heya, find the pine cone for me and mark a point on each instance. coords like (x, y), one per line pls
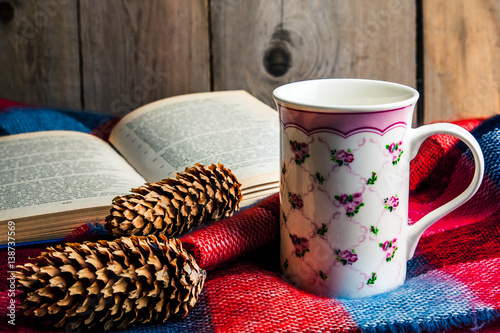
(110, 284)
(175, 205)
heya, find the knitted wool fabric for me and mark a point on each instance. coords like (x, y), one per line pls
(228, 239)
(452, 282)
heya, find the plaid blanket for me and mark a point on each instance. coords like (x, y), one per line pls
(452, 281)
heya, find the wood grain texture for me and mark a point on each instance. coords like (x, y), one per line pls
(461, 59)
(113, 56)
(39, 59)
(321, 39)
(135, 52)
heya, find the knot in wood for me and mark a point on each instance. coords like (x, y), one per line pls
(277, 59)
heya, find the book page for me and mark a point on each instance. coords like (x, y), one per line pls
(232, 128)
(47, 172)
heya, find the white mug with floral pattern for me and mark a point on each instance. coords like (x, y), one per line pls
(346, 146)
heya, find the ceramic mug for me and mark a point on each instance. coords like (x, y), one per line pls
(346, 146)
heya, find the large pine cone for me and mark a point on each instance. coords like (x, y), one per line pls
(110, 284)
(175, 205)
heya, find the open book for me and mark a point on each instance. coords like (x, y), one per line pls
(54, 181)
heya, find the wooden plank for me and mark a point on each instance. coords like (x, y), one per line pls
(462, 54)
(321, 39)
(135, 52)
(39, 58)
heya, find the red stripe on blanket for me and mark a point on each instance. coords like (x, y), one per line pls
(241, 295)
(104, 130)
(481, 277)
(5, 104)
(21, 257)
(228, 239)
(481, 206)
(437, 153)
(469, 243)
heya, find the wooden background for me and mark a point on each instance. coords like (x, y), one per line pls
(113, 56)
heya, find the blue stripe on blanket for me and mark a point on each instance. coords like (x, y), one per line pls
(25, 120)
(428, 302)
(488, 136)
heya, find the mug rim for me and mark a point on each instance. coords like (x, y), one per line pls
(280, 96)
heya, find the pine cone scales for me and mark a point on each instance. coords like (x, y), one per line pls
(110, 284)
(175, 205)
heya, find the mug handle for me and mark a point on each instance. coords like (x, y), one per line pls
(417, 137)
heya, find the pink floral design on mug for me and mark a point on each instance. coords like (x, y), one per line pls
(346, 257)
(301, 245)
(295, 200)
(342, 157)
(351, 203)
(391, 203)
(389, 247)
(396, 151)
(346, 146)
(300, 150)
